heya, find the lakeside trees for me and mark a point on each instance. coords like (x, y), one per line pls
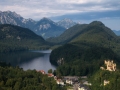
(15, 78)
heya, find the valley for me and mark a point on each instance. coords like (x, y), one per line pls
(77, 50)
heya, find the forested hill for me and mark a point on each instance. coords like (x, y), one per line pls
(95, 30)
(13, 38)
(68, 35)
(86, 52)
(81, 29)
(97, 33)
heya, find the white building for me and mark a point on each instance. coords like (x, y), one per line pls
(68, 81)
(106, 82)
(83, 87)
(60, 82)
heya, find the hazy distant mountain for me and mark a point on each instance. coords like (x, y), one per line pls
(117, 32)
(66, 23)
(45, 27)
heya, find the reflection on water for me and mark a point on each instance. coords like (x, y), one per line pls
(38, 60)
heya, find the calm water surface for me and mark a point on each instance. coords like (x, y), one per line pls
(38, 60)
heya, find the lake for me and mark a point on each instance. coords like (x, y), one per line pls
(38, 60)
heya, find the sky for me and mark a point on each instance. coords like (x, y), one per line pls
(83, 11)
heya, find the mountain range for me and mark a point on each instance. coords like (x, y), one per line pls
(44, 27)
(47, 28)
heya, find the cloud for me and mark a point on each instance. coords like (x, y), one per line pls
(37, 9)
(107, 11)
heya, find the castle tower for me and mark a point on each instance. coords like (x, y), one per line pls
(110, 65)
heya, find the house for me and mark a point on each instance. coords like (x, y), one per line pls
(50, 75)
(60, 82)
(102, 68)
(106, 82)
(55, 77)
(42, 71)
(82, 87)
(87, 83)
(69, 81)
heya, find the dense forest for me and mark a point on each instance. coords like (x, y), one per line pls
(81, 61)
(15, 38)
(15, 78)
(98, 78)
(86, 52)
(67, 35)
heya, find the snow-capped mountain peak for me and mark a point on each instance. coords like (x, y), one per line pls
(66, 23)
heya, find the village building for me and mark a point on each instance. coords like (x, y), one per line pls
(102, 68)
(87, 83)
(60, 82)
(42, 71)
(68, 81)
(55, 77)
(106, 82)
(83, 87)
(50, 75)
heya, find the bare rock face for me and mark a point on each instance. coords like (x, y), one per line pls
(66, 23)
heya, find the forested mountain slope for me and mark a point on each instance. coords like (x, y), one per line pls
(68, 35)
(85, 53)
(13, 38)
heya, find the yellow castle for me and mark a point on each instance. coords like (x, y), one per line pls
(110, 65)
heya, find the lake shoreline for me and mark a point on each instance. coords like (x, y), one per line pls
(32, 59)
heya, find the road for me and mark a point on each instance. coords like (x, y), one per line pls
(75, 86)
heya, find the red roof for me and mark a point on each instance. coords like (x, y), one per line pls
(42, 71)
(50, 75)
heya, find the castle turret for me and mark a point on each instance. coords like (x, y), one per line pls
(110, 65)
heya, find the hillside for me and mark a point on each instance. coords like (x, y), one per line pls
(97, 33)
(99, 78)
(68, 35)
(85, 53)
(82, 32)
(13, 38)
